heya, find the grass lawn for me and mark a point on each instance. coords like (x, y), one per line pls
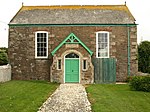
(117, 98)
(24, 96)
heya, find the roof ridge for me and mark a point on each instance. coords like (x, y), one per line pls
(76, 7)
(72, 5)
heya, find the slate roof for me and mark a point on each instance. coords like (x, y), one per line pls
(87, 14)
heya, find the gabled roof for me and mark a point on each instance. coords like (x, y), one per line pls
(72, 39)
(87, 14)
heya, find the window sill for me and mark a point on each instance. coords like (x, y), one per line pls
(41, 57)
(84, 70)
(102, 57)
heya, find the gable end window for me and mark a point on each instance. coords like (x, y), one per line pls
(41, 44)
(102, 44)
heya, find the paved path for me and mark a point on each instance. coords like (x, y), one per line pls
(67, 98)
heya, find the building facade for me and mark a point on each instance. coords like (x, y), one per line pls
(59, 43)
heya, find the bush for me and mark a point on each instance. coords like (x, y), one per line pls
(3, 58)
(144, 57)
(129, 78)
(140, 83)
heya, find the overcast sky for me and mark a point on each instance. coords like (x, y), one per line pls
(139, 8)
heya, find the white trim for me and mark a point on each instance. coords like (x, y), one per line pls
(36, 44)
(83, 64)
(58, 64)
(97, 43)
(65, 66)
(71, 58)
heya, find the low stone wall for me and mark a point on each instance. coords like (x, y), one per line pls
(5, 73)
(142, 74)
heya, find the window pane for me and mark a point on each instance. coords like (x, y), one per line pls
(44, 39)
(99, 35)
(38, 49)
(37, 53)
(84, 64)
(41, 34)
(105, 39)
(38, 45)
(102, 38)
(72, 55)
(44, 44)
(38, 39)
(41, 44)
(38, 34)
(105, 34)
(44, 54)
(102, 45)
(59, 64)
(44, 34)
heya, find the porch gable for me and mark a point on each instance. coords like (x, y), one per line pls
(71, 39)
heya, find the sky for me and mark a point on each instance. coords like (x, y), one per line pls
(140, 9)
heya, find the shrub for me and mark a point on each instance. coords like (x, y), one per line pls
(129, 78)
(3, 58)
(140, 83)
(144, 57)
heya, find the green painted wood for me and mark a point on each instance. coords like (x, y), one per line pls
(72, 70)
(129, 55)
(104, 70)
(100, 71)
(72, 37)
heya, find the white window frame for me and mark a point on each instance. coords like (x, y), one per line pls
(97, 44)
(36, 44)
(58, 64)
(86, 64)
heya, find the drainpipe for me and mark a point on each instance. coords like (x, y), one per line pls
(128, 50)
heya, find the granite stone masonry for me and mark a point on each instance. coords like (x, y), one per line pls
(25, 66)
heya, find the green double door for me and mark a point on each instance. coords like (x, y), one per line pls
(72, 70)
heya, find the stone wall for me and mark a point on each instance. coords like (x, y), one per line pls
(22, 48)
(133, 51)
(5, 73)
(21, 55)
(86, 76)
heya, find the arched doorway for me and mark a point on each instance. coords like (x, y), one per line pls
(72, 65)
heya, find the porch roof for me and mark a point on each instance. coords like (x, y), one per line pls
(71, 39)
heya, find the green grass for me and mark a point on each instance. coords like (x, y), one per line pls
(117, 98)
(24, 96)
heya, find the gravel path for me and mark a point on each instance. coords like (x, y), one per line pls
(67, 98)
